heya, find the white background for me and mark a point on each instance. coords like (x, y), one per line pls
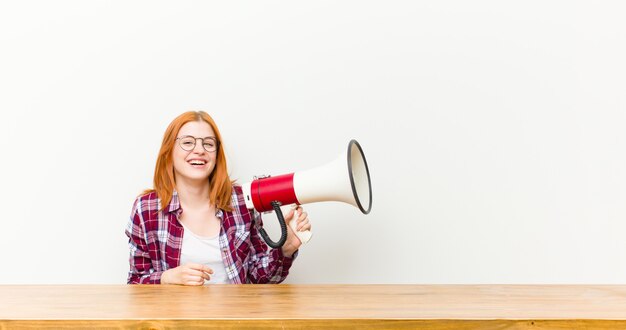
(494, 130)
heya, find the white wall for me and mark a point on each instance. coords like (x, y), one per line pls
(494, 130)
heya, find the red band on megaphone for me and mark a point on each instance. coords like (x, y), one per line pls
(276, 188)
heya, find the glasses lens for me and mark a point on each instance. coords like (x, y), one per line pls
(187, 143)
(210, 144)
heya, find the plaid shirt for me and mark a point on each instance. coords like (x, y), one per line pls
(155, 241)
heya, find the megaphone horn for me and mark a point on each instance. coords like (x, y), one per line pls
(346, 179)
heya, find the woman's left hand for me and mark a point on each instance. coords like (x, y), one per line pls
(293, 242)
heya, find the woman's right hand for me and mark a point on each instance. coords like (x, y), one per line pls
(187, 274)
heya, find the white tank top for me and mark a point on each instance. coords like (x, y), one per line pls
(206, 251)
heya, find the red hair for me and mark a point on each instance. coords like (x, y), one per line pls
(220, 185)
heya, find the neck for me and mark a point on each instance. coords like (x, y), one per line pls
(193, 194)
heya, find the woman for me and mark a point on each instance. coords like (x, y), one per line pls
(193, 227)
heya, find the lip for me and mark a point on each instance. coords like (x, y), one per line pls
(206, 162)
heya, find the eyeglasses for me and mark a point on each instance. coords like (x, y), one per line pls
(188, 143)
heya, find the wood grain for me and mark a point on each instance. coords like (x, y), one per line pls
(313, 306)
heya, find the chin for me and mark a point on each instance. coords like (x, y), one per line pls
(194, 176)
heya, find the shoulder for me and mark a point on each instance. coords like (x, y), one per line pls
(147, 202)
(237, 190)
(146, 206)
(238, 204)
(236, 198)
(144, 209)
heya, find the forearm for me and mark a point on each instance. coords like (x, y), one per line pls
(151, 278)
(276, 267)
(289, 250)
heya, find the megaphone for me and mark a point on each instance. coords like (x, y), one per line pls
(346, 179)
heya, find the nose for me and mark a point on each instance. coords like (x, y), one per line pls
(199, 146)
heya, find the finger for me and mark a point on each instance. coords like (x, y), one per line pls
(195, 273)
(305, 227)
(207, 269)
(300, 223)
(194, 279)
(206, 276)
(289, 215)
(195, 266)
(303, 224)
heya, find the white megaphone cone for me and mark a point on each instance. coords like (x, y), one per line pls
(346, 179)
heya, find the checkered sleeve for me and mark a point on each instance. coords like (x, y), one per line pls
(266, 265)
(141, 270)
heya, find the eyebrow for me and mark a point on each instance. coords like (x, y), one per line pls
(206, 137)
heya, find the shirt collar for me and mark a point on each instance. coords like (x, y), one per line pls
(175, 208)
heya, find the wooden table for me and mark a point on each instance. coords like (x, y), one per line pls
(314, 306)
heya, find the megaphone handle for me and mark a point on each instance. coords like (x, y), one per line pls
(304, 236)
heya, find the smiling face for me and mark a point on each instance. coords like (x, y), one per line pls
(197, 163)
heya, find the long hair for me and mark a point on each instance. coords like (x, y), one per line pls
(220, 185)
